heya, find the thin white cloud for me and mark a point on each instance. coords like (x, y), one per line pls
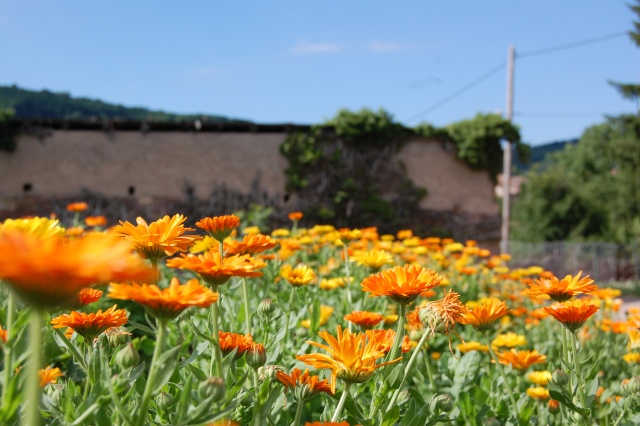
(310, 48)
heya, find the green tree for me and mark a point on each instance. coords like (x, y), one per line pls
(630, 90)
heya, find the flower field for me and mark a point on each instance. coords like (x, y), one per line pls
(157, 323)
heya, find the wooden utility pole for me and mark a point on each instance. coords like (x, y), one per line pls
(506, 161)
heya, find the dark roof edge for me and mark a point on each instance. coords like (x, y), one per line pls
(161, 126)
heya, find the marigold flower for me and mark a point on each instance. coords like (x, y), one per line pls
(304, 385)
(521, 360)
(95, 221)
(441, 316)
(509, 340)
(225, 422)
(295, 216)
(325, 314)
(165, 303)
(39, 227)
(4, 334)
(343, 423)
(88, 295)
(538, 393)
(352, 356)
(215, 270)
(347, 234)
(472, 346)
(540, 378)
(386, 338)
(561, 290)
(483, 316)
(374, 259)
(298, 276)
(402, 284)
(364, 319)
(49, 375)
(332, 283)
(251, 244)
(233, 341)
(219, 227)
(77, 207)
(573, 313)
(632, 357)
(91, 325)
(51, 272)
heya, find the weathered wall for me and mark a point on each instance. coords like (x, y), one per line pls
(160, 163)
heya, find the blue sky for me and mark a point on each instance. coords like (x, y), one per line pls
(302, 61)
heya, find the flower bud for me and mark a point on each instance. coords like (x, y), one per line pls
(213, 387)
(431, 320)
(554, 406)
(630, 387)
(128, 357)
(444, 403)
(164, 401)
(301, 333)
(55, 393)
(119, 383)
(416, 335)
(118, 336)
(560, 377)
(269, 371)
(266, 308)
(491, 421)
(256, 356)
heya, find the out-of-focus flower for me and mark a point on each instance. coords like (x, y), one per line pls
(38, 227)
(402, 284)
(483, 316)
(95, 221)
(561, 290)
(472, 346)
(295, 216)
(51, 272)
(298, 276)
(250, 244)
(573, 313)
(538, 393)
(521, 360)
(374, 259)
(77, 207)
(49, 375)
(215, 270)
(325, 314)
(540, 378)
(364, 319)
(4, 334)
(509, 340)
(88, 295)
(91, 325)
(205, 244)
(219, 227)
(159, 239)
(386, 338)
(165, 303)
(303, 384)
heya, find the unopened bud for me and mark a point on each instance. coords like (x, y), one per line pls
(118, 336)
(256, 356)
(491, 421)
(213, 387)
(630, 387)
(554, 406)
(444, 403)
(164, 401)
(128, 357)
(266, 308)
(269, 371)
(560, 377)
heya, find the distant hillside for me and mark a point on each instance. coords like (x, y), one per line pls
(538, 154)
(50, 105)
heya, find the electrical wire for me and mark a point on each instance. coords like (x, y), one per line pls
(566, 46)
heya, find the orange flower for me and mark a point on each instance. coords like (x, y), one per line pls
(219, 227)
(215, 270)
(352, 356)
(165, 303)
(572, 314)
(386, 338)
(521, 360)
(298, 276)
(251, 244)
(295, 216)
(483, 316)
(4, 334)
(77, 207)
(90, 326)
(364, 319)
(305, 386)
(88, 295)
(49, 375)
(561, 290)
(402, 284)
(51, 272)
(224, 423)
(233, 341)
(159, 239)
(95, 220)
(343, 423)
(441, 316)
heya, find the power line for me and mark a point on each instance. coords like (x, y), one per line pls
(570, 45)
(560, 114)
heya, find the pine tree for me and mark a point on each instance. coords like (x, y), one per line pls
(629, 90)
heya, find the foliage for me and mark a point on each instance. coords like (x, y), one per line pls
(9, 131)
(477, 140)
(590, 190)
(630, 90)
(62, 106)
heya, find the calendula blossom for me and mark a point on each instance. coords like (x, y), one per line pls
(482, 317)
(561, 290)
(39, 227)
(403, 284)
(573, 313)
(509, 340)
(538, 393)
(91, 325)
(364, 319)
(373, 259)
(49, 375)
(219, 227)
(304, 385)
(521, 360)
(250, 244)
(298, 276)
(216, 270)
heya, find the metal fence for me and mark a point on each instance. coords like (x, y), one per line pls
(604, 262)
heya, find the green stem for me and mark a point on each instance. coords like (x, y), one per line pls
(296, 420)
(33, 416)
(340, 406)
(8, 348)
(76, 355)
(507, 386)
(427, 363)
(286, 324)
(578, 367)
(407, 369)
(148, 389)
(565, 352)
(397, 343)
(216, 355)
(247, 312)
(347, 271)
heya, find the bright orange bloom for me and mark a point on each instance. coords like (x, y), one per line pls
(224, 423)
(215, 270)
(352, 356)
(95, 220)
(441, 316)
(88, 295)
(77, 207)
(51, 272)
(165, 303)
(295, 216)
(91, 325)
(233, 341)
(402, 284)
(343, 423)
(483, 316)
(573, 313)
(521, 360)
(219, 227)
(386, 338)
(305, 386)
(364, 319)
(4, 334)
(561, 290)
(49, 375)
(251, 244)
(159, 239)
(298, 276)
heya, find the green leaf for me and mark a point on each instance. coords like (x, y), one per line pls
(465, 372)
(198, 373)
(164, 367)
(592, 388)
(142, 327)
(391, 416)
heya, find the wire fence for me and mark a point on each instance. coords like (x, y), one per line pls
(604, 262)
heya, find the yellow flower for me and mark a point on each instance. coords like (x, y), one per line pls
(331, 283)
(205, 244)
(540, 378)
(538, 393)
(39, 227)
(280, 233)
(298, 276)
(632, 357)
(250, 230)
(325, 314)
(509, 340)
(472, 346)
(374, 259)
